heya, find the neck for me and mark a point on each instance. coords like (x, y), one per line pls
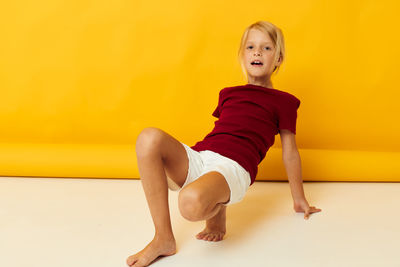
(263, 83)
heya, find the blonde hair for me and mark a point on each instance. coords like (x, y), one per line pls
(276, 36)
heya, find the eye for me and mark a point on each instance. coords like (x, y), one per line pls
(268, 47)
(249, 46)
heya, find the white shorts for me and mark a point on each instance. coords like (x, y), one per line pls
(205, 161)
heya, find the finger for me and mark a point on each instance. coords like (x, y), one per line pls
(312, 211)
(306, 215)
(316, 210)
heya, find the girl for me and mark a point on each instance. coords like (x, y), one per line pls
(218, 170)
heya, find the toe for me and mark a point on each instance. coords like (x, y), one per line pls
(131, 260)
(139, 263)
(218, 237)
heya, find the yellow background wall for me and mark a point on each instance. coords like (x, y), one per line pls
(79, 80)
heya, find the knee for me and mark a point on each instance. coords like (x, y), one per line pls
(148, 140)
(189, 202)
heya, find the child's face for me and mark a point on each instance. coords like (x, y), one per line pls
(259, 46)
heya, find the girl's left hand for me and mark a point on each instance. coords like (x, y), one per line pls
(303, 206)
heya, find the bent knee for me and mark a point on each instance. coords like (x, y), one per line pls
(190, 205)
(148, 140)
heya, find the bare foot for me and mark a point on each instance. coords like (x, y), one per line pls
(215, 227)
(157, 247)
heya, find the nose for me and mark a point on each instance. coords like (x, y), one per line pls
(257, 53)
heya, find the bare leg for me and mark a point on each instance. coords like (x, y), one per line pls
(215, 227)
(154, 182)
(203, 200)
(155, 186)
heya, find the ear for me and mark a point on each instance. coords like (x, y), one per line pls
(278, 63)
(279, 60)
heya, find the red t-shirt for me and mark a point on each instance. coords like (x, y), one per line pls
(249, 118)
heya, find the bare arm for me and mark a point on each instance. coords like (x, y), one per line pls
(292, 162)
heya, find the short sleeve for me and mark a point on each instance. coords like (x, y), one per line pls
(287, 115)
(217, 111)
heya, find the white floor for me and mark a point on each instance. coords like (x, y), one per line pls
(100, 222)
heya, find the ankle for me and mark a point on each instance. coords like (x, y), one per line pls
(164, 237)
(221, 212)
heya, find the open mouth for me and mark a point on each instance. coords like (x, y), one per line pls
(256, 63)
